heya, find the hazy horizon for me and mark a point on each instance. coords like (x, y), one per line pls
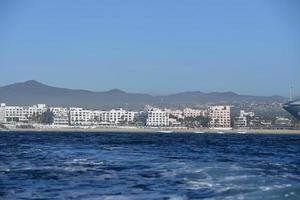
(154, 47)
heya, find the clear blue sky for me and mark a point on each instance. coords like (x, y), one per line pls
(153, 46)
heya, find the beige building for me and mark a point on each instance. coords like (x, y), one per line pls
(189, 112)
(219, 117)
(176, 113)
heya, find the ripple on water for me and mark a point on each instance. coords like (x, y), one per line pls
(149, 166)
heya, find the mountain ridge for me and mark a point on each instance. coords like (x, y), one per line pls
(33, 92)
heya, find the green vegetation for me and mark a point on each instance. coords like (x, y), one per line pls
(44, 118)
(194, 122)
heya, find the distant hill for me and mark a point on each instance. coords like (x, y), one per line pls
(33, 92)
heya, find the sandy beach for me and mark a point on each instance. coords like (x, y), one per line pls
(155, 130)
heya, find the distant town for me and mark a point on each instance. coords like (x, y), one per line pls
(218, 117)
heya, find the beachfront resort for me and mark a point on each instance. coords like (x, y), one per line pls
(212, 117)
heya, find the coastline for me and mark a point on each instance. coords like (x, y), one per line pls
(155, 130)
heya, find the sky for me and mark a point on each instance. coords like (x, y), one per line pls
(153, 46)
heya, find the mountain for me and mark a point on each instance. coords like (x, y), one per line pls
(33, 92)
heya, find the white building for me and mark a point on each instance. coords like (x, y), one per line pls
(35, 109)
(157, 117)
(15, 114)
(219, 117)
(61, 115)
(245, 114)
(80, 116)
(174, 122)
(2, 112)
(176, 113)
(21, 114)
(189, 112)
(242, 120)
(118, 116)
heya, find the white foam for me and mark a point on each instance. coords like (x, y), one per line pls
(174, 197)
(83, 161)
(114, 197)
(199, 184)
(5, 170)
(268, 188)
(232, 178)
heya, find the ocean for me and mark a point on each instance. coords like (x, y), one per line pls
(175, 166)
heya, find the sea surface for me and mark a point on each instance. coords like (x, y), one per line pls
(119, 166)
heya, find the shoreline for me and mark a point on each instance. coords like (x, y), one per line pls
(156, 130)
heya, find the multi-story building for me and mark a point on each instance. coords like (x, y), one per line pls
(157, 117)
(15, 114)
(242, 120)
(189, 112)
(246, 114)
(176, 113)
(80, 116)
(35, 109)
(21, 114)
(219, 117)
(2, 112)
(118, 116)
(60, 115)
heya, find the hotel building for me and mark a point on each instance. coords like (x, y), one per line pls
(176, 113)
(189, 112)
(157, 117)
(20, 114)
(61, 115)
(117, 116)
(82, 117)
(219, 117)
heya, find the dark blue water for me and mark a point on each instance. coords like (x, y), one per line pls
(149, 166)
